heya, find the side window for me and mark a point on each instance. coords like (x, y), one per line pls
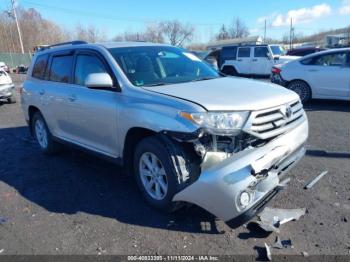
(40, 67)
(229, 53)
(85, 65)
(335, 59)
(61, 68)
(261, 51)
(244, 52)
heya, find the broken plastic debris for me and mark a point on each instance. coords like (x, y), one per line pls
(272, 218)
(305, 254)
(2, 220)
(311, 183)
(268, 252)
(278, 243)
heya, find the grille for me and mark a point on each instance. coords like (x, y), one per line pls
(272, 122)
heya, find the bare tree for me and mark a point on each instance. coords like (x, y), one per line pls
(89, 34)
(176, 32)
(238, 29)
(223, 33)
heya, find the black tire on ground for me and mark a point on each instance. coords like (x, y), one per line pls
(302, 89)
(180, 165)
(51, 146)
(12, 99)
(230, 70)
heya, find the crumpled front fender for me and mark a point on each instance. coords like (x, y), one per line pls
(218, 188)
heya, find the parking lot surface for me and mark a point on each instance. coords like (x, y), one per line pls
(73, 203)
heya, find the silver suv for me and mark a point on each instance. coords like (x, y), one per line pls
(185, 132)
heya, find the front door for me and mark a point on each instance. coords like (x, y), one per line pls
(244, 60)
(93, 112)
(261, 61)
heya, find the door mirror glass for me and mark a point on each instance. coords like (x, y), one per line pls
(99, 81)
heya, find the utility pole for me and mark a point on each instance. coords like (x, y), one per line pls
(17, 24)
(265, 33)
(291, 35)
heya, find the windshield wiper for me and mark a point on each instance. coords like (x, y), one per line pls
(157, 84)
(203, 79)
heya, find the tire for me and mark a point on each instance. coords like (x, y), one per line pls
(229, 70)
(43, 136)
(170, 168)
(302, 89)
(12, 99)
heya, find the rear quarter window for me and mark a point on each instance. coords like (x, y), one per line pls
(229, 53)
(39, 68)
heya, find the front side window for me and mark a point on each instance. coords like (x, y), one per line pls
(336, 59)
(160, 65)
(61, 68)
(261, 51)
(85, 65)
(40, 67)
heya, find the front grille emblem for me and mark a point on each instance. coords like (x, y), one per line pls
(286, 111)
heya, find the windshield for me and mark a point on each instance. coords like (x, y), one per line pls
(277, 50)
(160, 65)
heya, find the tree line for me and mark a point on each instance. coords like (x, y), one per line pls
(37, 30)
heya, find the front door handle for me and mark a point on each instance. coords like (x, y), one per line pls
(72, 98)
(313, 70)
(42, 92)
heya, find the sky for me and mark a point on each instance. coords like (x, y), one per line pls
(114, 17)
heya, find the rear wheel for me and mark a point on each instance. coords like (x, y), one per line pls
(229, 70)
(43, 135)
(162, 170)
(302, 89)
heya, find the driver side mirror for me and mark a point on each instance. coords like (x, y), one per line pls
(99, 81)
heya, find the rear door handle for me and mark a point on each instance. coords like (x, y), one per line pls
(313, 70)
(255, 60)
(42, 92)
(72, 98)
(240, 60)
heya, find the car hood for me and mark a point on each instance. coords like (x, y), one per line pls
(229, 93)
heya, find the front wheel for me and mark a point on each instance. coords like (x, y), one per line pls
(302, 89)
(158, 173)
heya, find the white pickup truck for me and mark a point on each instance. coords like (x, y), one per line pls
(248, 59)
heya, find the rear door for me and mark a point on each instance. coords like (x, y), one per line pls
(93, 112)
(261, 63)
(244, 60)
(329, 75)
(55, 90)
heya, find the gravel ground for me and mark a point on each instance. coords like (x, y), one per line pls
(73, 203)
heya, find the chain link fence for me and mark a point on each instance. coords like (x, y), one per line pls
(15, 59)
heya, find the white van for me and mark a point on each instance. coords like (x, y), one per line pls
(249, 59)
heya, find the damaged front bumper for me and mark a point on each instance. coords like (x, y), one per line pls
(6, 90)
(257, 172)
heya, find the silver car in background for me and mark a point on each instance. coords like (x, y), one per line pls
(185, 132)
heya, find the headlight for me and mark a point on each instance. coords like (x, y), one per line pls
(216, 123)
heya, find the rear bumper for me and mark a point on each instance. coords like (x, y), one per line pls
(277, 79)
(218, 189)
(6, 90)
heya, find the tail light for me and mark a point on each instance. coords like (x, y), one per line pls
(276, 70)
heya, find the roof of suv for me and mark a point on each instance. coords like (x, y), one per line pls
(76, 44)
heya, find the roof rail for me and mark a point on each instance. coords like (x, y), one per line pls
(77, 42)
